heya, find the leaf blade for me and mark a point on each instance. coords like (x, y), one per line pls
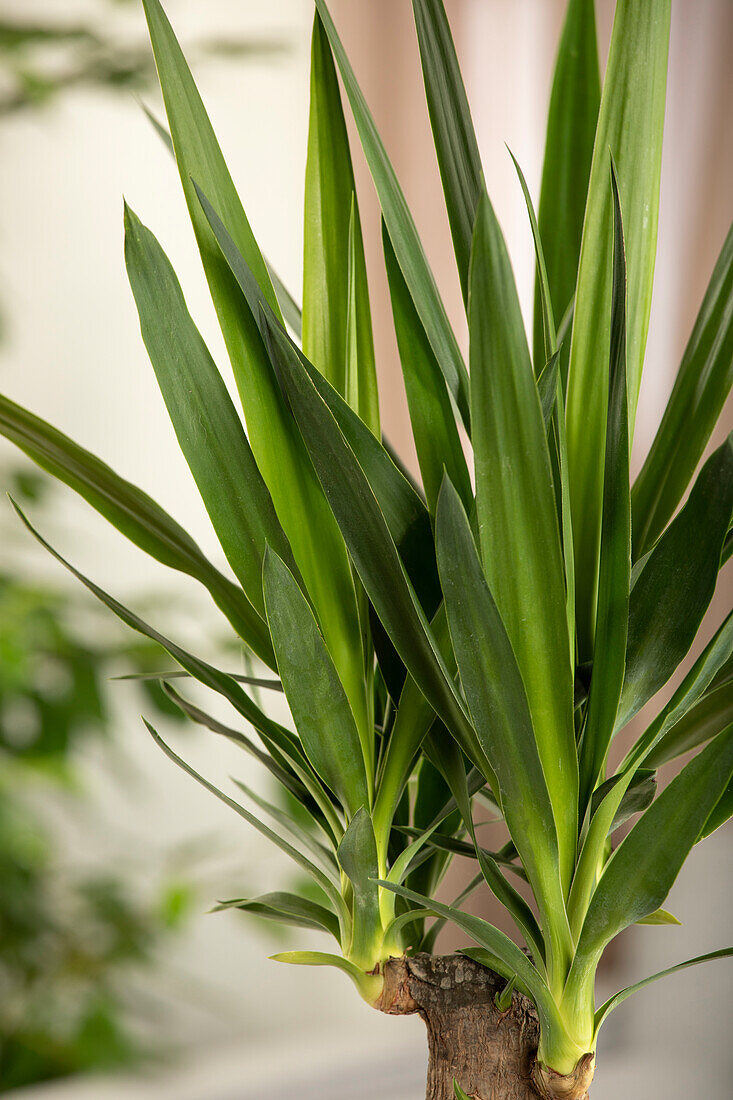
(450, 118)
(703, 381)
(207, 427)
(334, 268)
(676, 584)
(630, 123)
(136, 515)
(518, 530)
(614, 578)
(571, 128)
(402, 230)
(317, 700)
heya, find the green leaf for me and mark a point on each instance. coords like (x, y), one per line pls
(302, 861)
(463, 848)
(614, 577)
(290, 309)
(551, 392)
(571, 128)
(547, 388)
(618, 998)
(722, 811)
(434, 428)
(549, 348)
(199, 157)
(404, 511)
(294, 825)
(702, 676)
(660, 917)
(207, 427)
(630, 124)
(637, 795)
(403, 234)
(278, 768)
(676, 583)
(334, 267)
(518, 531)
(499, 708)
(703, 382)
(317, 700)
(503, 1000)
(458, 1091)
(699, 724)
(361, 371)
(357, 854)
(369, 985)
(642, 870)
(176, 674)
(134, 514)
(450, 117)
(285, 908)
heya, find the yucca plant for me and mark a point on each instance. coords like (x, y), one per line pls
(473, 638)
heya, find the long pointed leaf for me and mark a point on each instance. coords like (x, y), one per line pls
(519, 537)
(357, 855)
(134, 514)
(199, 157)
(286, 908)
(703, 382)
(701, 677)
(630, 124)
(370, 543)
(450, 117)
(642, 870)
(619, 998)
(402, 231)
(571, 129)
(208, 429)
(361, 372)
(614, 577)
(705, 720)
(676, 584)
(302, 861)
(314, 692)
(434, 428)
(333, 241)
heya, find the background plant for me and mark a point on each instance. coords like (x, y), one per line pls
(469, 638)
(72, 937)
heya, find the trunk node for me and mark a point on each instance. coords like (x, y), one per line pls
(491, 1054)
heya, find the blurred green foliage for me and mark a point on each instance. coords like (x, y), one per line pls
(40, 59)
(68, 937)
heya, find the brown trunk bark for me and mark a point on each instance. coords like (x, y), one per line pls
(491, 1054)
